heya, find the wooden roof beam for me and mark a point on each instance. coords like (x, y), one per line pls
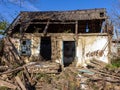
(53, 22)
(46, 27)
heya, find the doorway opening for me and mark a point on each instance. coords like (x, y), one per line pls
(45, 48)
(68, 52)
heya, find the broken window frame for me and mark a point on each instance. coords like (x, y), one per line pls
(25, 47)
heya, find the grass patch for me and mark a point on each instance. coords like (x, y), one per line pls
(114, 64)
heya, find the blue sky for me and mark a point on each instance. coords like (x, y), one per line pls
(73, 4)
(11, 8)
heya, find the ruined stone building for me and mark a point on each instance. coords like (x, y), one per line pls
(59, 36)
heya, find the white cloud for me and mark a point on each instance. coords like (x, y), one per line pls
(24, 4)
(28, 5)
(9, 9)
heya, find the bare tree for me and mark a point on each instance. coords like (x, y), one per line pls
(115, 13)
(115, 18)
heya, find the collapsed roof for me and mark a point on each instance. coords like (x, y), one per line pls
(26, 18)
(66, 15)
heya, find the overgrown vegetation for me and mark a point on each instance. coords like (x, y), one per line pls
(115, 63)
(3, 25)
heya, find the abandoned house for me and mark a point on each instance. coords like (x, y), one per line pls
(59, 36)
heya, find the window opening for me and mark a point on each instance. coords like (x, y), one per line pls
(25, 47)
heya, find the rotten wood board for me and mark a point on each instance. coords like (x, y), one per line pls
(13, 70)
(105, 79)
(97, 62)
(20, 83)
(7, 84)
(47, 71)
(107, 72)
(17, 69)
(104, 73)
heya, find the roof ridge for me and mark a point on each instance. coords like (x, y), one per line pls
(65, 10)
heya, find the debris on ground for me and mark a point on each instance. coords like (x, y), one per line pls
(50, 76)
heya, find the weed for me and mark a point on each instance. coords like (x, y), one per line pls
(115, 63)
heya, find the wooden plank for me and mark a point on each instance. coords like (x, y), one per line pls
(7, 84)
(53, 23)
(20, 83)
(17, 69)
(105, 74)
(13, 70)
(27, 74)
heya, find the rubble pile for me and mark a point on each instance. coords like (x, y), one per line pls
(100, 77)
(27, 76)
(48, 76)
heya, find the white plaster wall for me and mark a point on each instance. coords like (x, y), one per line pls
(90, 47)
(35, 46)
(79, 54)
(86, 44)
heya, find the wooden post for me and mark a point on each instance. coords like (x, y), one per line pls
(76, 32)
(76, 38)
(76, 28)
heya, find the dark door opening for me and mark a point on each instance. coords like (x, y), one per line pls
(45, 48)
(68, 52)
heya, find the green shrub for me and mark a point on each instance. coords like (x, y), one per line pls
(116, 62)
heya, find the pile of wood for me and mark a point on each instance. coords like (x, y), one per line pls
(25, 77)
(96, 64)
(100, 77)
(44, 76)
(44, 67)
